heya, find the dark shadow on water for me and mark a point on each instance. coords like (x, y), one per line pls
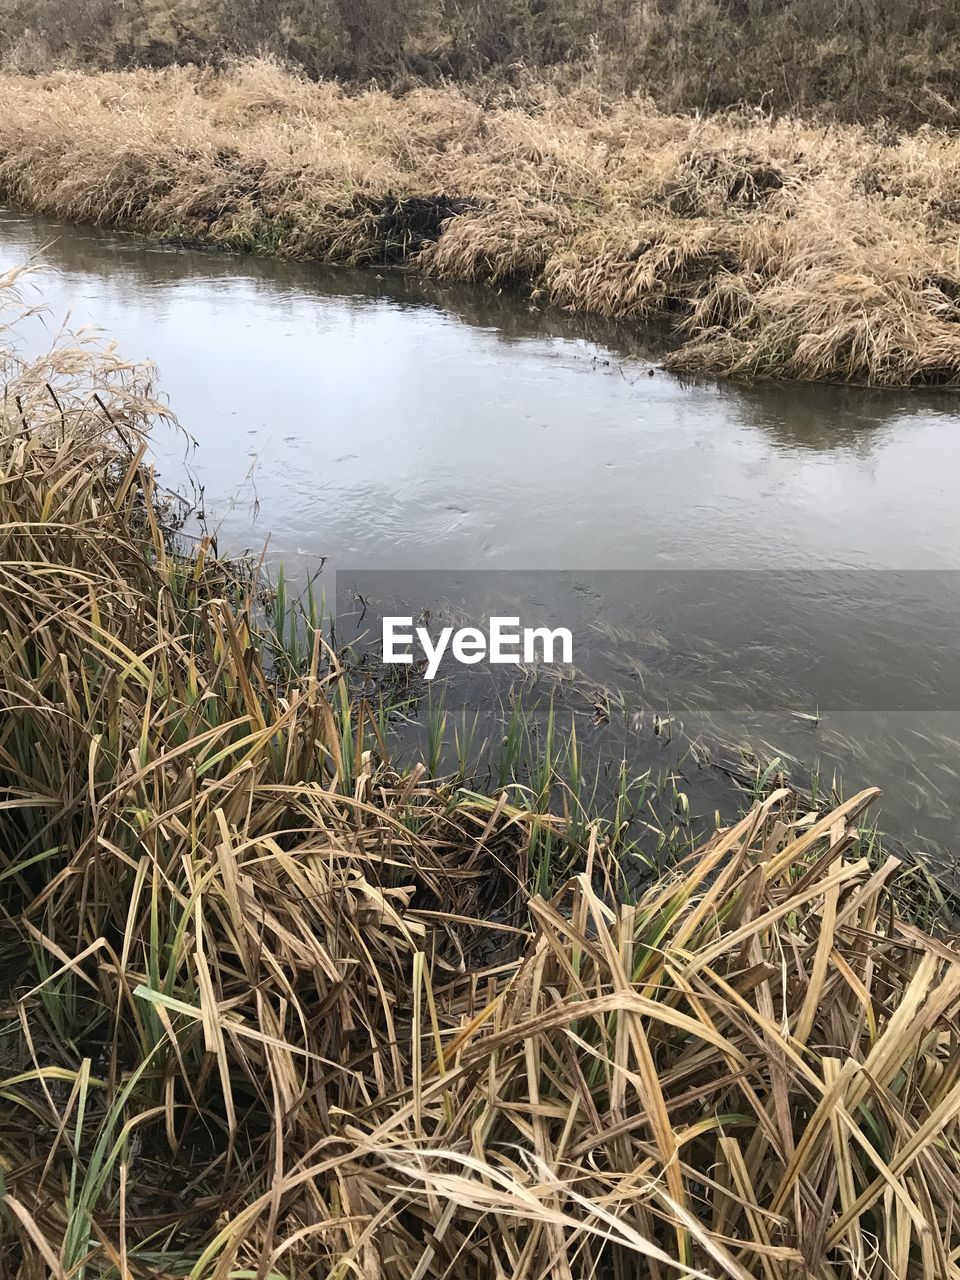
(821, 419)
(509, 314)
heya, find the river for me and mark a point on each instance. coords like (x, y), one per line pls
(777, 562)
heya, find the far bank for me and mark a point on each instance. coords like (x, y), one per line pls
(764, 247)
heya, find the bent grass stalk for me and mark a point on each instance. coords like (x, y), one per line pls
(270, 1008)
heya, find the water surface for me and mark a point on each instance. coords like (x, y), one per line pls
(382, 422)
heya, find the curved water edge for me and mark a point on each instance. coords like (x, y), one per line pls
(385, 422)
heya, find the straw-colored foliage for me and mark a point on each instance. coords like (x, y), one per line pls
(892, 58)
(273, 1009)
(763, 247)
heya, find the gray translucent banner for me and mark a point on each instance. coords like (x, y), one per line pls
(797, 642)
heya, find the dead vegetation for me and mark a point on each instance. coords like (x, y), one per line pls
(273, 1008)
(766, 247)
(892, 58)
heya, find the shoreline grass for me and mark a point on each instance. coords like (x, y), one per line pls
(263, 1012)
(762, 247)
(878, 58)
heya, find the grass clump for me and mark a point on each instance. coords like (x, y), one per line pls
(895, 58)
(757, 247)
(275, 1008)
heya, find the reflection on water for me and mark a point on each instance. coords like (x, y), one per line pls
(385, 422)
(829, 419)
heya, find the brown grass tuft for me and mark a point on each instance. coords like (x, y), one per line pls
(767, 248)
(274, 1008)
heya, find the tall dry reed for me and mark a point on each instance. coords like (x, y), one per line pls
(272, 1008)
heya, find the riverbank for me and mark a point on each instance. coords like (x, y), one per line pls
(854, 62)
(763, 248)
(276, 1005)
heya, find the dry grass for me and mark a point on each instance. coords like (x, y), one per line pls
(891, 58)
(766, 248)
(273, 1009)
